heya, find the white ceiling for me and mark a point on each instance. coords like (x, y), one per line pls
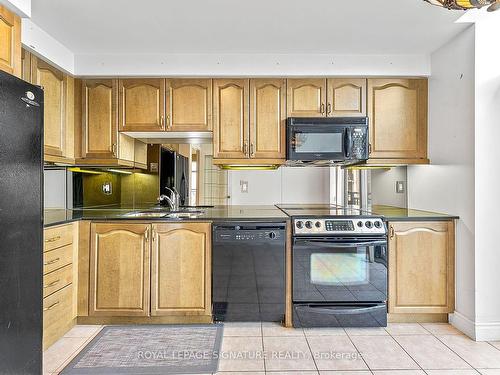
(246, 26)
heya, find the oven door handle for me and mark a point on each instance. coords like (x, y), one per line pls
(342, 244)
(356, 310)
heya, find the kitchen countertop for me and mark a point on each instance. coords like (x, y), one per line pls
(221, 213)
(217, 213)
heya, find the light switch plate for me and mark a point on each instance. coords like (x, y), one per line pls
(107, 188)
(400, 187)
(244, 186)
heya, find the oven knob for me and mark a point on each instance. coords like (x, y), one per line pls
(309, 224)
(272, 235)
(377, 224)
(360, 224)
(299, 224)
(368, 224)
(318, 224)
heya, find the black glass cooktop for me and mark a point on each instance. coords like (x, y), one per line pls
(321, 210)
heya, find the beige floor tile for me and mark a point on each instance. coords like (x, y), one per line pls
(345, 373)
(240, 373)
(441, 329)
(383, 353)
(291, 373)
(287, 353)
(397, 329)
(83, 331)
(496, 344)
(369, 331)
(430, 353)
(242, 329)
(489, 371)
(399, 372)
(324, 332)
(241, 354)
(452, 372)
(61, 352)
(335, 353)
(276, 329)
(477, 354)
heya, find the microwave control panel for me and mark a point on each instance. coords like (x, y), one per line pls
(359, 137)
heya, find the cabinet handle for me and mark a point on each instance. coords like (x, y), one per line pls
(113, 149)
(162, 122)
(369, 148)
(329, 108)
(52, 283)
(391, 232)
(322, 108)
(146, 235)
(52, 261)
(53, 239)
(252, 149)
(153, 234)
(51, 306)
(245, 147)
(169, 125)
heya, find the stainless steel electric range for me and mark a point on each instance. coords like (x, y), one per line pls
(339, 258)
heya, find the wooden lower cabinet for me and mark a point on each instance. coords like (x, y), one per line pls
(180, 269)
(119, 269)
(421, 267)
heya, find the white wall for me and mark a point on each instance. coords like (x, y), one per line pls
(54, 188)
(284, 185)
(487, 177)
(448, 184)
(383, 186)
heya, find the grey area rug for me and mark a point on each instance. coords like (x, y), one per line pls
(150, 350)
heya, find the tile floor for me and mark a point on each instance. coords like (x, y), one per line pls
(399, 349)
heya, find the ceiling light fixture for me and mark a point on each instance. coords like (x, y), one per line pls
(466, 4)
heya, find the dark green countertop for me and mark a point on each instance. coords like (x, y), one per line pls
(391, 213)
(221, 213)
(218, 213)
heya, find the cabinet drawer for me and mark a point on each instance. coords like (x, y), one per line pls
(57, 280)
(55, 259)
(57, 315)
(57, 237)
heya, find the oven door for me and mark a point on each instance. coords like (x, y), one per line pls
(318, 142)
(332, 270)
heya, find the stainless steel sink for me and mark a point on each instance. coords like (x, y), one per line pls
(182, 214)
(145, 214)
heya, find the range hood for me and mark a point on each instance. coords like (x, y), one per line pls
(171, 137)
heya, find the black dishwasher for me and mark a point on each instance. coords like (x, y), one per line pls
(248, 271)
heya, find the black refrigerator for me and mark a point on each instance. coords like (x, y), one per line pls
(174, 172)
(21, 223)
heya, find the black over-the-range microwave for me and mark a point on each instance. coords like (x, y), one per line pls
(335, 140)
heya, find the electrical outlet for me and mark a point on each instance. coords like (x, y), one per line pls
(400, 187)
(107, 188)
(244, 186)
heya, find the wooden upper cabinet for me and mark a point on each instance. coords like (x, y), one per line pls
(25, 65)
(142, 104)
(230, 118)
(10, 42)
(398, 118)
(267, 118)
(421, 267)
(119, 269)
(54, 84)
(306, 97)
(181, 269)
(189, 104)
(99, 118)
(346, 97)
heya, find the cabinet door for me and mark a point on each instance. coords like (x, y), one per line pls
(142, 104)
(306, 97)
(25, 65)
(189, 104)
(267, 118)
(398, 118)
(230, 118)
(10, 42)
(346, 97)
(181, 269)
(119, 269)
(421, 267)
(54, 84)
(99, 121)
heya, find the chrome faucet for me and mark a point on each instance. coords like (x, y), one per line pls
(174, 199)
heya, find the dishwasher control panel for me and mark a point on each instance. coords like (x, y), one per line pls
(244, 233)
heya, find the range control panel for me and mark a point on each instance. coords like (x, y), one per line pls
(361, 225)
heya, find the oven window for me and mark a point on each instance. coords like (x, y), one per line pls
(318, 142)
(339, 269)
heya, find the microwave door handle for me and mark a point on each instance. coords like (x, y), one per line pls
(347, 143)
